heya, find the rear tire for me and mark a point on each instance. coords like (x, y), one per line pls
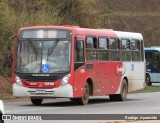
(148, 80)
(36, 101)
(124, 90)
(123, 94)
(85, 99)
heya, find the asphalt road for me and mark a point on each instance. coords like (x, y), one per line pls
(135, 104)
(142, 103)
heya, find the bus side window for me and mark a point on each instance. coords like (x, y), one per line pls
(78, 54)
(135, 44)
(114, 49)
(125, 46)
(103, 50)
(91, 48)
(135, 47)
(89, 42)
(103, 43)
(114, 43)
(79, 51)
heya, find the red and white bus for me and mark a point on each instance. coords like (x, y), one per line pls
(75, 63)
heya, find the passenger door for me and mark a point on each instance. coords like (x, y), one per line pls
(79, 68)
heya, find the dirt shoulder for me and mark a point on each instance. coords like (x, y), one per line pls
(5, 88)
(6, 91)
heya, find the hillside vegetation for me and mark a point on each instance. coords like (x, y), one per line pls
(127, 15)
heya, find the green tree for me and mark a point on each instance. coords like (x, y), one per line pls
(77, 12)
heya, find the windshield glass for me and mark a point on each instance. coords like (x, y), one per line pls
(43, 56)
(148, 56)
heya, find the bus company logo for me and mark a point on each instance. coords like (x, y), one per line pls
(119, 69)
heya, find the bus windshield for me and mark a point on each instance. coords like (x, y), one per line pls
(41, 56)
(148, 56)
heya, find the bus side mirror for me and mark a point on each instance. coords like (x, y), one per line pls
(10, 42)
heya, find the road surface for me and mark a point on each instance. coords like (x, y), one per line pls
(142, 103)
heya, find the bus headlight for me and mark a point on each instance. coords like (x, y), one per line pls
(65, 80)
(18, 81)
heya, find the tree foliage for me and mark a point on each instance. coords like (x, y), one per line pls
(77, 12)
(125, 15)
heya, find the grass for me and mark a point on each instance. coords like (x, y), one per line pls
(4, 98)
(148, 89)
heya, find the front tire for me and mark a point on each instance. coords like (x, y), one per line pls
(148, 80)
(36, 101)
(85, 99)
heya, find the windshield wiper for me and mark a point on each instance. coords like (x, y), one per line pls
(33, 47)
(51, 49)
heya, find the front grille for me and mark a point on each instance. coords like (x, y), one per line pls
(41, 78)
(47, 93)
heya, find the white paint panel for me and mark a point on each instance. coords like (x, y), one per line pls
(63, 91)
(129, 35)
(136, 75)
(135, 71)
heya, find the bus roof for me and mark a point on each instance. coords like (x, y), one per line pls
(152, 48)
(50, 26)
(122, 34)
(78, 30)
(98, 32)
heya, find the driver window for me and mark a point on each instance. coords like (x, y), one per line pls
(79, 51)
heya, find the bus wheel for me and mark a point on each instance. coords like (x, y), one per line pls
(84, 100)
(148, 81)
(36, 101)
(124, 90)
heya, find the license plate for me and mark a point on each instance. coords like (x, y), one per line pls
(40, 91)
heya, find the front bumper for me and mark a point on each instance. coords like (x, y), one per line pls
(63, 91)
